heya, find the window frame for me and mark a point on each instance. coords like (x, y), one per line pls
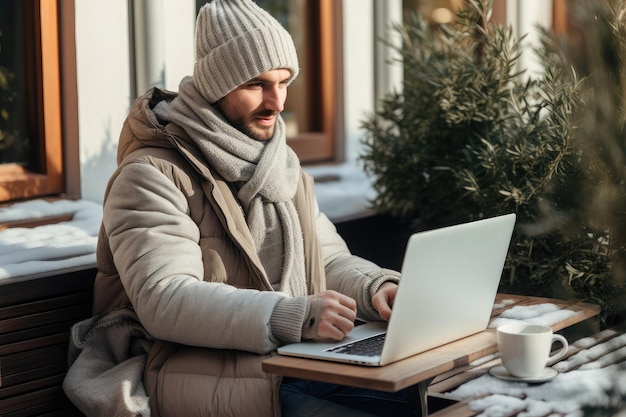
(561, 23)
(325, 85)
(17, 182)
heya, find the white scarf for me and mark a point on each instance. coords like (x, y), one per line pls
(265, 174)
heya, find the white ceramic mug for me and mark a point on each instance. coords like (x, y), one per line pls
(525, 348)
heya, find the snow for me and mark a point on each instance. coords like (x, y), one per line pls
(590, 377)
(595, 356)
(525, 313)
(51, 247)
(566, 394)
(544, 314)
(25, 251)
(348, 197)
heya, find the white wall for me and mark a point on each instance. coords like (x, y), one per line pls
(523, 16)
(367, 71)
(166, 27)
(103, 88)
(358, 33)
(104, 75)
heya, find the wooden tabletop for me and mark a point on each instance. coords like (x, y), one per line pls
(426, 365)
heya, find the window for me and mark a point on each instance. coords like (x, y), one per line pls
(442, 11)
(314, 102)
(313, 111)
(31, 137)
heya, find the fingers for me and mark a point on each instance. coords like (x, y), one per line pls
(384, 298)
(337, 316)
(338, 312)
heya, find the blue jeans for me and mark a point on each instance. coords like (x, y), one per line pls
(305, 398)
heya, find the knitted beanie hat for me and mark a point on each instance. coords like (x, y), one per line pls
(236, 40)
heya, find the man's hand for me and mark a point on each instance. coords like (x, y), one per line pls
(331, 316)
(383, 299)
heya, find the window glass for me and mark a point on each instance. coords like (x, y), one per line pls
(31, 134)
(436, 11)
(16, 144)
(291, 14)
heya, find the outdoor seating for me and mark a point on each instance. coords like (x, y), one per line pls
(589, 373)
(36, 313)
(421, 373)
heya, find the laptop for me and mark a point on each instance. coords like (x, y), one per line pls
(447, 289)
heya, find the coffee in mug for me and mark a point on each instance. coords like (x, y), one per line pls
(525, 348)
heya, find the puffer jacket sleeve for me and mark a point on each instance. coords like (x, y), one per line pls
(155, 247)
(350, 274)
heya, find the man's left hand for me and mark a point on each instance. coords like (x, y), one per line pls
(383, 299)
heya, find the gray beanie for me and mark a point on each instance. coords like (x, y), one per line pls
(236, 40)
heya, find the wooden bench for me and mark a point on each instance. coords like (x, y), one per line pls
(447, 383)
(36, 313)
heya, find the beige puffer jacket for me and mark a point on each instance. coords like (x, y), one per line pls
(174, 244)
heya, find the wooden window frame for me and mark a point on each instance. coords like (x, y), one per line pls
(498, 12)
(17, 182)
(325, 87)
(561, 20)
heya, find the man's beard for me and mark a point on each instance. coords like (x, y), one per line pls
(261, 134)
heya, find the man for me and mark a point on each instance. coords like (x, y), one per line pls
(212, 251)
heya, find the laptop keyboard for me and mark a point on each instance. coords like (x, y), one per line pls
(371, 346)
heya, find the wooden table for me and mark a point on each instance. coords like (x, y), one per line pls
(417, 372)
(601, 358)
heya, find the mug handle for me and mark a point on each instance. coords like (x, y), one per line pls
(558, 354)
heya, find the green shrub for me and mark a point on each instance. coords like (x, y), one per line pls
(470, 136)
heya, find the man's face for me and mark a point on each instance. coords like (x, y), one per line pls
(253, 107)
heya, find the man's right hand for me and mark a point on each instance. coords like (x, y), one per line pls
(330, 315)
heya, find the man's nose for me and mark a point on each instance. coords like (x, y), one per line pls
(274, 99)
